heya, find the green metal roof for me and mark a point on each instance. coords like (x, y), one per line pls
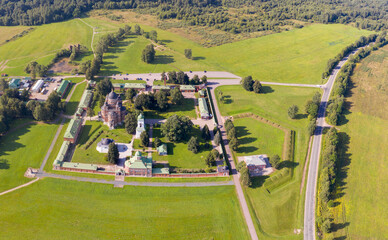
(187, 87)
(138, 161)
(203, 107)
(162, 148)
(62, 152)
(86, 99)
(72, 128)
(135, 85)
(14, 83)
(62, 88)
(160, 171)
(83, 166)
(160, 87)
(79, 111)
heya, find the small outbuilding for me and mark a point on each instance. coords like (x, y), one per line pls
(63, 87)
(162, 149)
(103, 145)
(157, 88)
(203, 109)
(14, 83)
(38, 85)
(187, 88)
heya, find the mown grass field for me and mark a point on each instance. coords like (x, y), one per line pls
(178, 154)
(89, 131)
(363, 188)
(187, 108)
(72, 105)
(256, 137)
(41, 44)
(91, 211)
(278, 213)
(22, 148)
(8, 32)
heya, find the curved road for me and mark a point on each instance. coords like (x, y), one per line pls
(309, 210)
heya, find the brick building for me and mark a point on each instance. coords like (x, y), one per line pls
(139, 165)
(112, 112)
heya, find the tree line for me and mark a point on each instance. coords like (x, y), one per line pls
(248, 15)
(341, 85)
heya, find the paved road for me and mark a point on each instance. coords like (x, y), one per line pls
(148, 184)
(309, 217)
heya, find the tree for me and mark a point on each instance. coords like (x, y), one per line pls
(90, 112)
(257, 86)
(153, 36)
(142, 101)
(176, 96)
(188, 53)
(293, 111)
(206, 133)
(210, 161)
(130, 122)
(162, 100)
(144, 138)
(104, 87)
(177, 128)
(148, 54)
(311, 127)
(113, 153)
(274, 161)
(245, 179)
(241, 165)
(311, 108)
(231, 133)
(40, 113)
(233, 143)
(53, 101)
(195, 80)
(137, 29)
(127, 29)
(3, 85)
(247, 83)
(193, 145)
(204, 79)
(157, 142)
(130, 94)
(35, 69)
(217, 138)
(326, 226)
(215, 153)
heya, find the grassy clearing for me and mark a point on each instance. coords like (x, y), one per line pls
(178, 154)
(89, 131)
(187, 108)
(256, 137)
(75, 79)
(281, 205)
(42, 43)
(154, 179)
(8, 32)
(84, 210)
(23, 148)
(72, 105)
(363, 189)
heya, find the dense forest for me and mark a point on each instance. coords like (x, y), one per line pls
(228, 15)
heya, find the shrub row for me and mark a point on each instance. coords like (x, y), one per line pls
(88, 144)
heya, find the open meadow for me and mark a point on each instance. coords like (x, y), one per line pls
(90, 211)
(23, 147)
(281, 213)
(361, 199)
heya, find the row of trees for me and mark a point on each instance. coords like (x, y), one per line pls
(158, 100)
(311, 109)
(327, 179)
(231, 134)
(35, 69)
(251, 85)
(336, 103)
(13, 105)
(182, 78)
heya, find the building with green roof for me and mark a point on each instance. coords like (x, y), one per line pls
(14, 83)
(63, 87)
(73, 130)
(136, 86)
(139, 165)
(187, 88)
(86, 99)
(162, 149)
(62, 153)
(79, 167)
(157, 88)
(203, 109)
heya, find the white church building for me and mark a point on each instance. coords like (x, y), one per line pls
(140, 125)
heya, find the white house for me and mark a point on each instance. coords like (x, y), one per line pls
(140, 125)
(103, 145)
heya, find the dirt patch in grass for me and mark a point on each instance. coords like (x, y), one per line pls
(63, 66)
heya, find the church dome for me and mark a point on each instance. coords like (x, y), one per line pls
(112, 95)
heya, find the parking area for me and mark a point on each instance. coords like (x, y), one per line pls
(43, 92)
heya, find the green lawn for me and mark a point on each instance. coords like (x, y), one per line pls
(69, 209)
(187, 108)
(23, 148)
(273, 105)
(72, 105)
(42, 43)
(256, 137)
(8, 32)
(75, 79)
(363, 188)
(178, 154)
(91, 129)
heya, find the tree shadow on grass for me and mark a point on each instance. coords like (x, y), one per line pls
(344, 159)
(288, 164)
(241, 131)
(163, 59)
(84, 134)
(4, 164)
(228, 99)
(345, 112)
(247, 149)
(258, 181)
(301, 116)
(266, 89)
(8, 142)
(198, 58)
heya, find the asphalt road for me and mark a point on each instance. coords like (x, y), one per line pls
(309, 217)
